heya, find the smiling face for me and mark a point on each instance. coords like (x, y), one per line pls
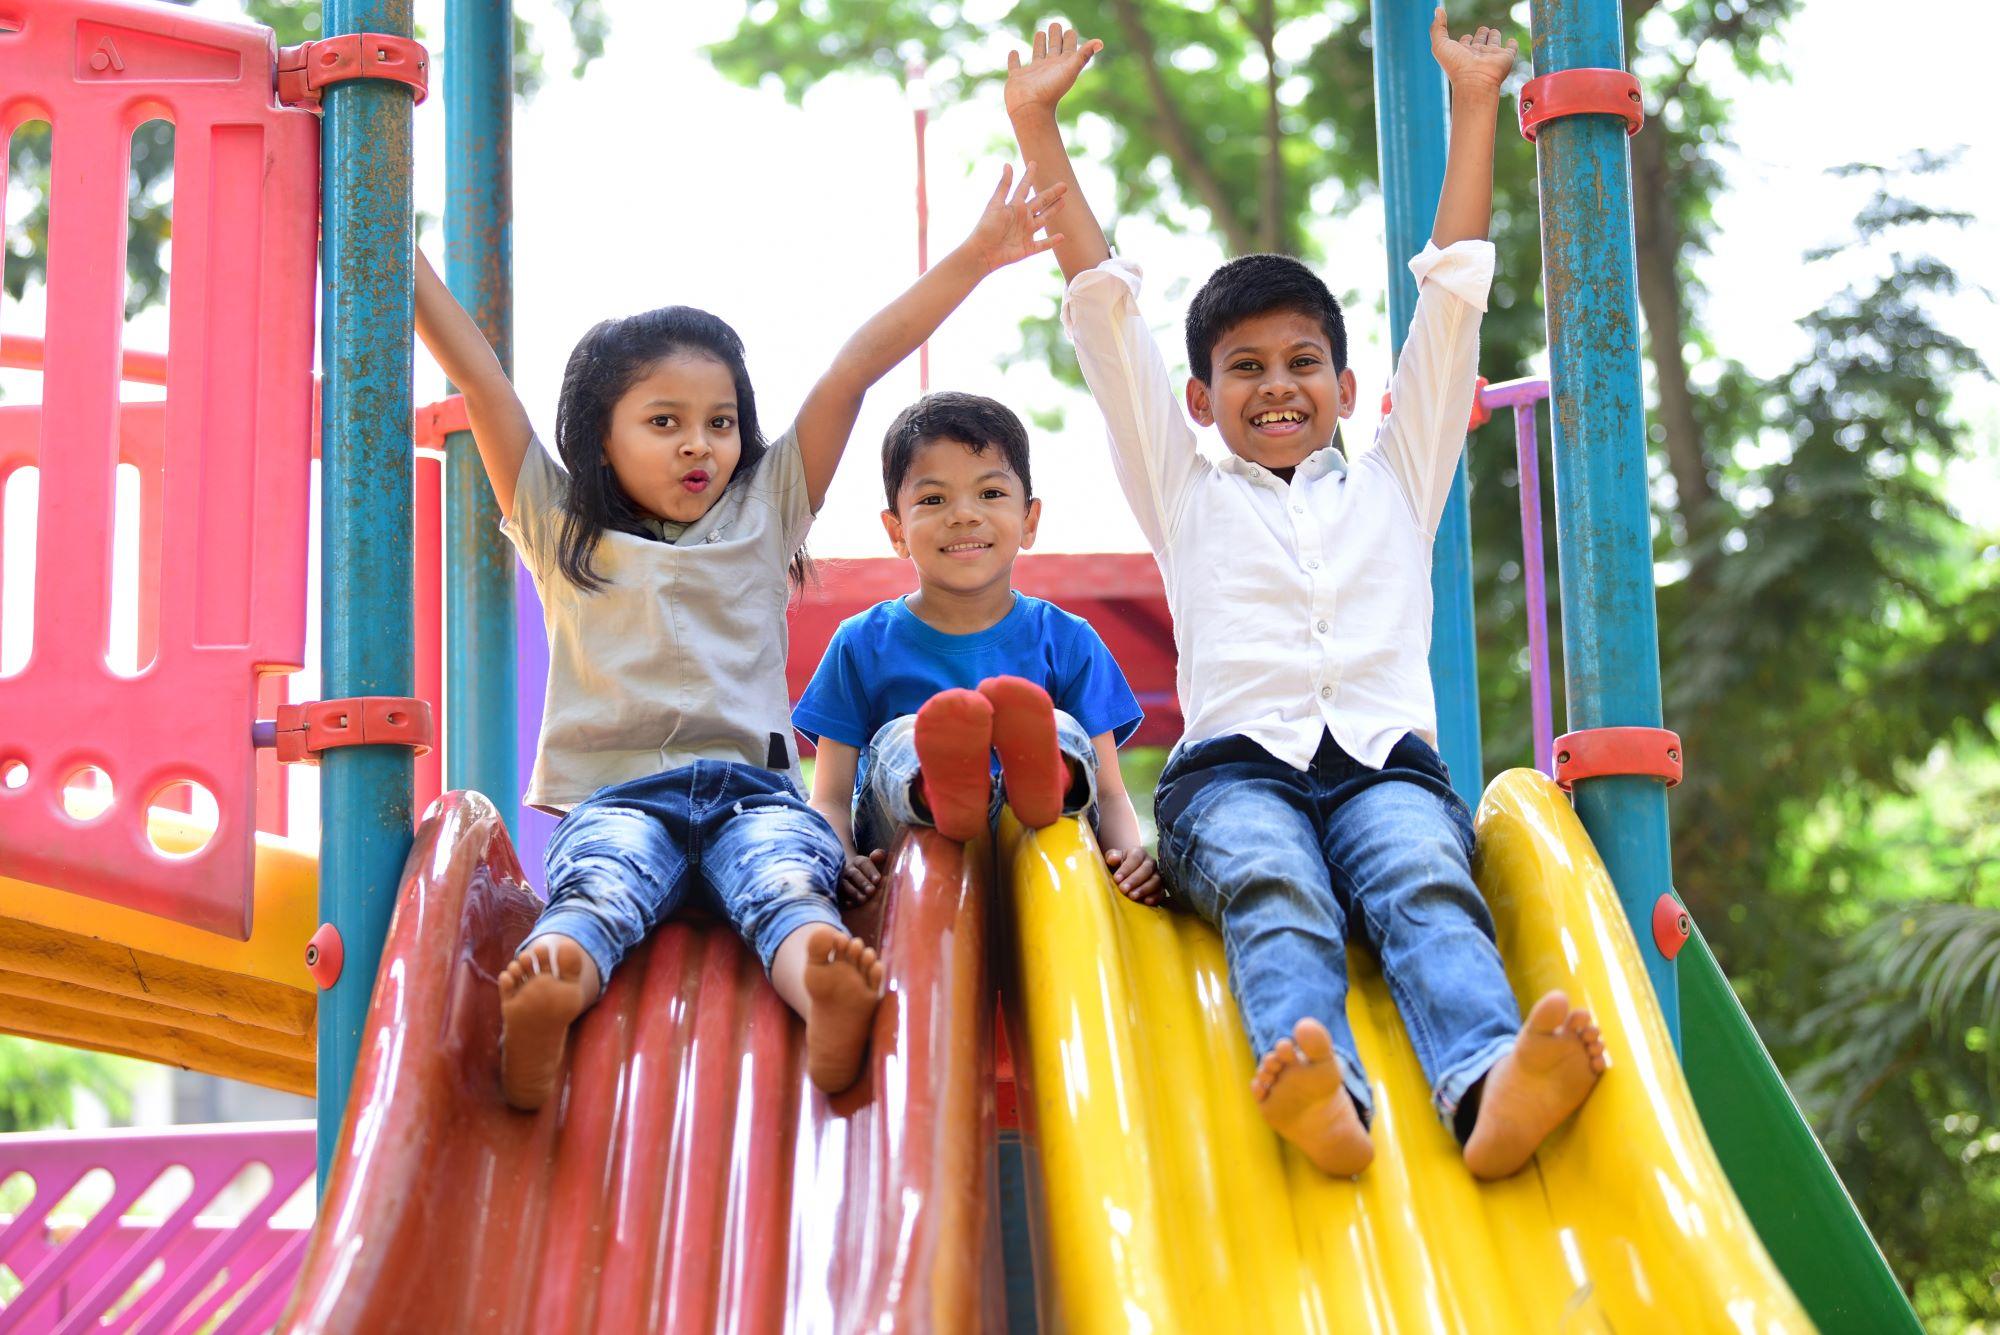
(962, 517)
(674, 439)
(1275, 395)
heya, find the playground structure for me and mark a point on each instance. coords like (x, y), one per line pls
(690, 1179)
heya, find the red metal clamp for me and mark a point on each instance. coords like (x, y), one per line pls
(1671, 925)
(305, 730)
(324, 956)
(434, 421)
(1481, 414)
(305, 69)
(1597, 753)
(1581, 92)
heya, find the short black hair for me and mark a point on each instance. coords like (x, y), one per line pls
(1257, 285)
(973, 420)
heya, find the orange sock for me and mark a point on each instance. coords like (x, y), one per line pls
(1024, 733)
(955, 750)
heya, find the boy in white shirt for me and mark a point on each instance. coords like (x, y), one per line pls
(1306, 803)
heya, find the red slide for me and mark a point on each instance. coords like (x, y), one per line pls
(687, 1177)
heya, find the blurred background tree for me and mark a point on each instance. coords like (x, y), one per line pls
(1828, 620)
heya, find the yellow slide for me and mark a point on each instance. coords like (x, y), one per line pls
(89, 974)
(1168, 1206)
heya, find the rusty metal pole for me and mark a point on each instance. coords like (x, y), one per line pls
(367, 625)
(479, 268)
(1611, 645)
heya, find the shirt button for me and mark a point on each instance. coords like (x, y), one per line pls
(1322, 628)
(1326, 692)
(1312, 565)
(1298, 509)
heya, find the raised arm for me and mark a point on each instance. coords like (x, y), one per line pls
(1476, 65)
(499, 423)
(1035, 88)
(1005, 233)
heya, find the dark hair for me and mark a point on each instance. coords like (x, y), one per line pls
(1257, 285)
(605, 363)
(972, 420)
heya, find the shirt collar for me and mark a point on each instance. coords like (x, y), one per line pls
(1320, 463)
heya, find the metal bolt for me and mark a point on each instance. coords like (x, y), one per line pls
(1562, 757)
(312, 955)
(1673, 755)
(1683, 926)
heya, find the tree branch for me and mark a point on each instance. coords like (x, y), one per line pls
(1178, 136)
(1656, 232)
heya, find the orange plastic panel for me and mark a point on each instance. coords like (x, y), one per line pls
(686, 1177)
(234, 436)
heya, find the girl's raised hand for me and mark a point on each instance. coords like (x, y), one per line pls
(1038, 83)
(1006, 231)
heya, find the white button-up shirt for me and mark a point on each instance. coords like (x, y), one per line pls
(1302, 606)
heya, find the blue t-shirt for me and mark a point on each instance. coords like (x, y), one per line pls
(885, 662)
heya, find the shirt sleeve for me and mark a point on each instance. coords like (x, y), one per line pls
(1431, 393)
(1095, 692)
(781, 480)
(835, 702)
(537, 518)
(1152, 447)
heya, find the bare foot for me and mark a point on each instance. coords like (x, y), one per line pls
(1550, 1072)
(1300, 1090)
(843, 979)
(544, 989)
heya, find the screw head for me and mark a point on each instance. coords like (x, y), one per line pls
(312, 954)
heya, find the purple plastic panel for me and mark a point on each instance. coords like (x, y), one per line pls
(531, 666)
(1522, 396)
(75, 1276)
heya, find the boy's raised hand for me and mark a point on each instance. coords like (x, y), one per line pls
(1050, 71)
(1479, 59)
(1006, 231)
(1136, 875)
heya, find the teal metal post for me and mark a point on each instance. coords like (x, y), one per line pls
(479, 249)
(1611, 650)
(1410, 136)
(365, 482)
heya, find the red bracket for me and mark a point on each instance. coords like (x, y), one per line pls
(1582, 92)
(434, 421)
(1671, 925)
(324, 956)
(1481, 414)
(1597, 753)
(305, 69)
(305, 730)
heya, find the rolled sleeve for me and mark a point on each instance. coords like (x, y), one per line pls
(1464, 269)
(1431, 392)
(1152, 447)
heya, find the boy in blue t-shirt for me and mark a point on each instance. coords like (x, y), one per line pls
(904, 737)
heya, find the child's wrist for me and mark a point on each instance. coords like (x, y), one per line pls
(1033, 113)
(1468, 89)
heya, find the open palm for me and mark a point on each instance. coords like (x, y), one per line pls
(1006, 231)
(1050, 71)
(1480, 55)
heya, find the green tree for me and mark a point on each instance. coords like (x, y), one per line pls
(39, 1083)
(1827, 621)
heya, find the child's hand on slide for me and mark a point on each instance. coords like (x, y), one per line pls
(1006, 231)
(1478, 59)
(861, 877)
(1136, 875)
(1058, 57)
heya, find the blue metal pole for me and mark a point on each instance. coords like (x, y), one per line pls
(479, 250)
(1410, 134)
(1611, 649)
(365, 484)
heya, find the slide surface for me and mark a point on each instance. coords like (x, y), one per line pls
(1167, 1205)
(687, 1177)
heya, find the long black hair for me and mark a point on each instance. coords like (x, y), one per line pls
(606, 362)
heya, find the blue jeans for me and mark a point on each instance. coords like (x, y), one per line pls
(1290, 864)
(884, 802)
(742, 838)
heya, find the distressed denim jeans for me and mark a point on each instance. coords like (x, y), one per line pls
(884, 802)
(730, 837)
(1290, 865)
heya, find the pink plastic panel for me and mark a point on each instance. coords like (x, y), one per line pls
(234, 437)
(80, 1274)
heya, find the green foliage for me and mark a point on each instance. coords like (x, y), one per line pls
(38, 1084)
